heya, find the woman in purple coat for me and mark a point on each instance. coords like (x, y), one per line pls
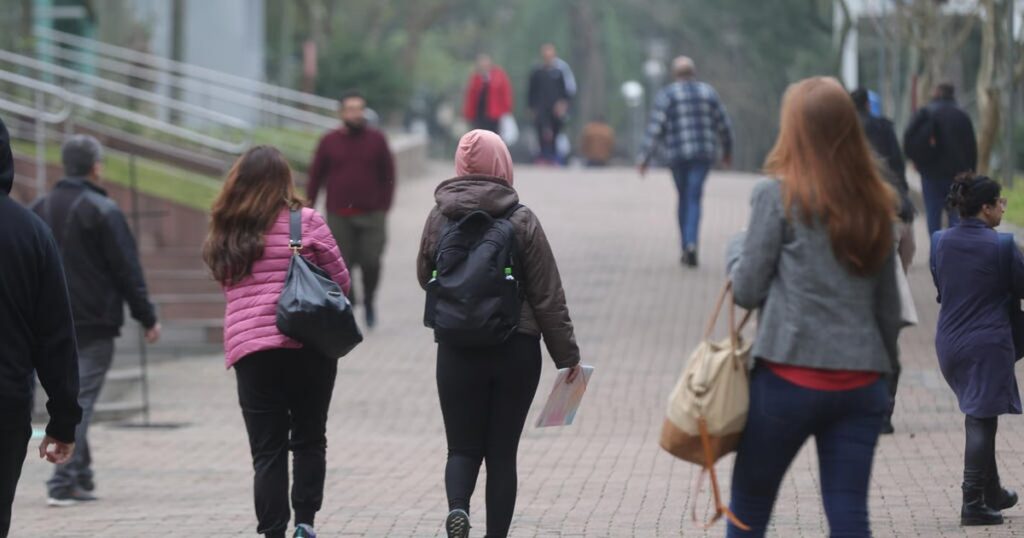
(978, 274)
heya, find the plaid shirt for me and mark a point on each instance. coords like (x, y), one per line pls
(690, 121)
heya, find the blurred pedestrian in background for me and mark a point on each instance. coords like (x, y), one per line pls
(979, 278)
(829, 310)
(355, 165)
(689, 120)
(548, 97)
(940, 141)
(103, 273)
(284, 390)
(488, 95)
(38, 335)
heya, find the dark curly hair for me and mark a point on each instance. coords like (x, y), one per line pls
(970, 192)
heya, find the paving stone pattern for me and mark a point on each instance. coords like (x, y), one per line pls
(638, 314)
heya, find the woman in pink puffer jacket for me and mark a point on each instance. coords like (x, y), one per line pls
(284, 390)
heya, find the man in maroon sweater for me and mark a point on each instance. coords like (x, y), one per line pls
(358, 170)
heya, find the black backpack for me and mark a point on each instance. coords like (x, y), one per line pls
(473, 297)
(920, 140)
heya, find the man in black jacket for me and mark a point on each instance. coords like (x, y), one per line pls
(950, 149)
(882, 136)
(548, 99)
(103, 272)
(37, 334)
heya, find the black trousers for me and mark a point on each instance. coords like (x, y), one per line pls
(285, 395)
(980, 469)
(485, 398)
(14, 438)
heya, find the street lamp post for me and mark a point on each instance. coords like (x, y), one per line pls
(633, 93)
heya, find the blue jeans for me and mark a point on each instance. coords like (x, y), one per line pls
(689, 176)
(934, 191)
(845, 426)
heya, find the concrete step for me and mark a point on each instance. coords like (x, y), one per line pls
(117, 410)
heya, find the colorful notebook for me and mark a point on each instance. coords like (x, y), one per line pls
(564, 400)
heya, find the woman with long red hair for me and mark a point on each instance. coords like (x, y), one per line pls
(284, 390)
(818, 261)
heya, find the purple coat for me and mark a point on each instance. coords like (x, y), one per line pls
(973, 339)
(250, 320)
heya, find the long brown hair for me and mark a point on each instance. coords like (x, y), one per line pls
(827, 169)
(257, 188)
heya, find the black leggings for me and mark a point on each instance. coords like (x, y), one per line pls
(485, 398)
(980, 454)
(284, 395)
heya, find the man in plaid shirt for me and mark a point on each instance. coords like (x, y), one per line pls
(691, 123)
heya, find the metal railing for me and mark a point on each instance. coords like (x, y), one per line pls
(40, 115)
(220, 122)
(278, 113)
(326, 106)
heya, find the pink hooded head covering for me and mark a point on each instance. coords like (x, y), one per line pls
(483, 152)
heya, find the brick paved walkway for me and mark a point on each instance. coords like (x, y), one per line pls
(638, 314)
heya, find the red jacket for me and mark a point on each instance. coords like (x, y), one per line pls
(357, 169)
(499, 95)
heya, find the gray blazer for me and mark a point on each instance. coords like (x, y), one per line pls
(813, 312)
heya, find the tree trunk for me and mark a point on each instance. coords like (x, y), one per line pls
(988, 91)
(588, 53)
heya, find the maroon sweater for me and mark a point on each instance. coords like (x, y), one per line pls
(358, 170)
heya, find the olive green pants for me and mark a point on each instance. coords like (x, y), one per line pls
(361, 239)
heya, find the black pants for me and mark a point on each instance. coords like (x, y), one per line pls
(487, 124)
(14, 437)
(284, 395)
(548, 127)
(980, 455)
(485, 398)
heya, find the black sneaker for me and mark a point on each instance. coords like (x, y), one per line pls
(62, 498)
(690, 257)
(87, 484)
(304, 531)
(457, 524)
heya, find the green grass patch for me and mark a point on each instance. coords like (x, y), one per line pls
(154, 178)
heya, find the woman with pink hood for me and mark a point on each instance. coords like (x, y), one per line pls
(486, 390)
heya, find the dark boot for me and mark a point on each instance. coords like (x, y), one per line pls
(995, 496)
(974, 511)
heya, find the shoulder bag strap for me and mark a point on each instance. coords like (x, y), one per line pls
(295, 230)
(721, 509)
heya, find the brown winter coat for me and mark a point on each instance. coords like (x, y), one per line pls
(544, 310)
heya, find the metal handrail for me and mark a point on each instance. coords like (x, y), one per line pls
(123, 89)
(173, 66)
(222, 93)
(37, 86)
(75, 100)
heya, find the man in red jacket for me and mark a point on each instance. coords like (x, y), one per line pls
(358, 170)
(488, 95)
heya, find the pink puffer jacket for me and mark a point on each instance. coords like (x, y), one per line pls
(250, 320)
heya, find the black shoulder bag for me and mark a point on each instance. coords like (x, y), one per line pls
(313, 309)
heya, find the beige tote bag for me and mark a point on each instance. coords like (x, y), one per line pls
(708, 407)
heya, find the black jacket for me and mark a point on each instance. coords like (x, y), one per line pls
(35, 316)
(100, 258)
(882, 136)
(957, 147)
(547, 87)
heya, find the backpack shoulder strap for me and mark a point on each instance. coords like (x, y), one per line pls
(508, 214)
(295, 230)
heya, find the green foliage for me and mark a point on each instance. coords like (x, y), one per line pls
(348, 65)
